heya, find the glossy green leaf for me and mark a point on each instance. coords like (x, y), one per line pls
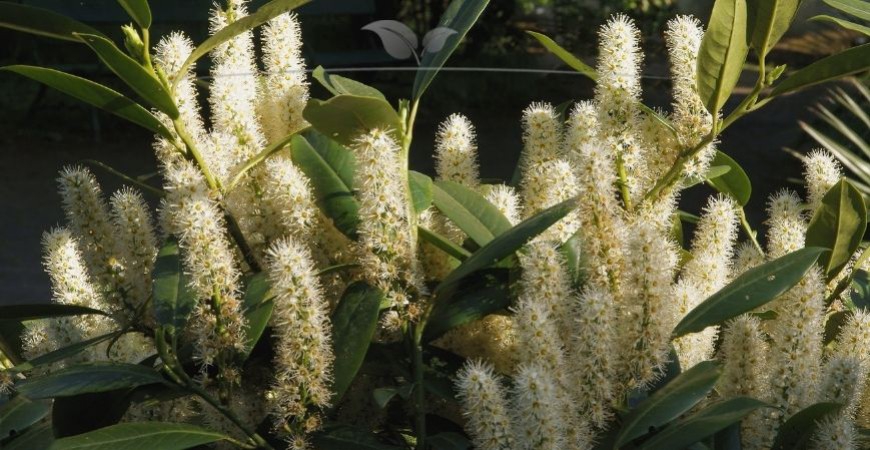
(173, 300)
(714, 171)
(849, 25)
(342, 118)
(771, 19)
(138, 11)
(853, 60)
(62, 353)
(421, 190)
(839, 224)
(485, 295)
(88, 378)
(797, 432)
(330, 167)
(566, 56)
(346, 437)
(131, 72)
(703, 423)
(857, 8)
(353, 323)
(338, 85)
(141, 435)
(572, 251)
(441, 242)
(509, 242)
(750, 290)
(42, 22)
(722, 53)
(19, 413)
(459, 16)
(258, 304)
(262, 15)
(861, 289)
(44, 311)
(469, 211)
(94, 94)
(668, 403)
(834, 323)
(734, 181)
(37, 437)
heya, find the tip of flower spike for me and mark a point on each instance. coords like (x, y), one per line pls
(784, 203)
(172, 51)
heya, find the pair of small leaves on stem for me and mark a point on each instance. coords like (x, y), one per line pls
(400, 42)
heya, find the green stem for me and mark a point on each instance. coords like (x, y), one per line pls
(407, 137)
(194, 153)
(128, 179)
(419, 389)
(260, 157)
(623, 184)
(749, 231)
(847, 281)
(146, 50)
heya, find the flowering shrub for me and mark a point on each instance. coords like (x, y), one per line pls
(301, 288)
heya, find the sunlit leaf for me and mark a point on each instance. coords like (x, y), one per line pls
(722, 53)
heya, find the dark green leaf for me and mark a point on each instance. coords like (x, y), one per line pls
(714, 171)
(459, 16)
(857, 8)
(750, 290)
(853, 60)
(330, 167)
(338, 85)
(733, 182)
(258, 303)
(20, 413)
(566, 56)
(140, 435)
(482, 296)
(382, 396)
(669, 402)
(470, 211)
(843, 23)
(86, 378)
(722, 53)
(670, 371)
(62, 353)
(344, 117)
(39, 436)
(42, 22)
(44, 311)
(353, 323)
(449, 441)
(572, 251)
(771, 19)
(131, 72)
(509, 242)
(138, 11)
(421, 190)
(266, 13)
(10, 340)
(797, 432)
(861, 289)
(346, 437)
(173, 300)
(838, 224)
(703, 423)
(94, 94)
(443, 243)
(833, 325)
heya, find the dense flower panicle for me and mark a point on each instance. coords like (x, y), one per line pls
(542, 134)
(291, 197)
(300, 323)
(506, 200)
(786, 224)
(746, 256)
(843, 380)
(285, 88)
(389, 260)
(547, 184)
(617, 91)
(137, 244)
(692, 348)
(591, 368)
(537, 336)
(582, 126)
(854, 338)
(539, 423)
(821, 171)
(456, 152)
(835, 434)
(683, 37)
(545, 280)
(485, 406)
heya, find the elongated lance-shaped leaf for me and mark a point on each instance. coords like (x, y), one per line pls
(141, 435)
(722, 54)
(258, 303)
(441, 242)
(849, 25)
(752, 289)
(94, 94)
(857, 8)
(62, 353)
(566, 56)
(343, 117)
(353, 322)
(44, 311)
(733, 182)
(421, 190)
(338, 85)
(138, 10)
(87, 378)
(42, 22)
(838, 224)
(266, 13)
(702, 424)
(131, 72)
(17, 414)
(853, 60)
(485, 294)
(470, 211)
(173, 301)
(669, 402)
(770, 20)
(797, 432)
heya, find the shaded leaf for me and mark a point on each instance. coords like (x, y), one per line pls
(444, 244)
(62, 353)
(449, 441)
(88, 378)
(10, 340)
(734, 181)
(44, 311)
(853, 60)
(566, 56)
(173, 300)
(398, 40)
(19, 413)
(42, 22)
(138, 11)
(140, 435)
(484, 295)
(344, 117)
(838, 224)
(797, 432)
(346, 437)
(572, 251)
(857, 8)
(382, 396)
(833, 325)
(703, 423)
(843, 23)
(470, 211)
(258, 304)
(421, 190)
(722, 53)
(353, 323)
(338, 85)
(39, 436)
(435, 39)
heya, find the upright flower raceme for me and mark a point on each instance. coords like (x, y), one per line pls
(456, 152)
(506, 200)
(485, 405)
(137, 244)
(821, 170)
(285, 89)
(538, 421)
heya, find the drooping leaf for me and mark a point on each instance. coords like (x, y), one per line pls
(857, 8)
(264, 14)
(443, 243)
(849, 25)
(566, 56)
(62, 353)
(338, 85)
(797, 432)
(469, 211)
(471, 301)
(353, 323)
(258, 304)
(838, 224)
(509, 242)
(138, 11)
(94, 94)
(87, 378)
(132, 73)
(669, 402)
(459, 16)
(752, 289)
(44, 311)
(39, 436)
(853, 60)
(771, 19)
(398, 40)
(19, 413)
(702, 424)
(421, 190)
(346, 437)
(173, 300)
(722, 53)
(734, 181)
(344, 117)
(141, 435)
(42, 22)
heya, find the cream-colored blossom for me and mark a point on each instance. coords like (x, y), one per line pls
(485, 405)
(456, 152)
(821, 171)
(285, 89)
